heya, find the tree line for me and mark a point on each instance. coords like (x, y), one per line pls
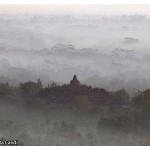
(84, 94)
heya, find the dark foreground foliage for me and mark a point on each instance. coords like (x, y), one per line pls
(65, 115)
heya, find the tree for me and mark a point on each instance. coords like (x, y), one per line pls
(4, 89)
(30, 88)
(52, 85)
(141, 102)
(119, 97)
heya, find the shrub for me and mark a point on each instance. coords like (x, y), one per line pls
(4, 89)
(30, 88)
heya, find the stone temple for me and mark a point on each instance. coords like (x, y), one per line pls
(75, 82)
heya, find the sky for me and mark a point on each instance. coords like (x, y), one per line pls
(87, 9)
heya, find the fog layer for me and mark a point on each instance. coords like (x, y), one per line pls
(111, 52)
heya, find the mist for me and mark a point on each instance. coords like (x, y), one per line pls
(104, 51)
(39, 123)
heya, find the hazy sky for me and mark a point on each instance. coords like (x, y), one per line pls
(77, 9)
(115, 49)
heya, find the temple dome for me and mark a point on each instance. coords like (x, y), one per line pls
(75, 82)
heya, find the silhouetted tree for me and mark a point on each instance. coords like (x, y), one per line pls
(4, 89)
(30, 88)
(141, 102)
(119, 97)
